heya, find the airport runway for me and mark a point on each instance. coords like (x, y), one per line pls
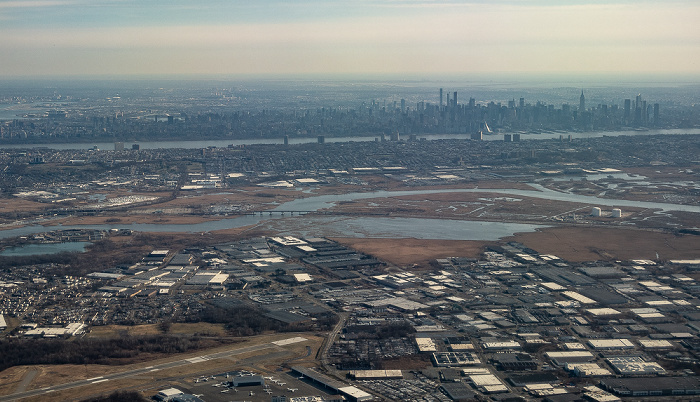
(126, 374)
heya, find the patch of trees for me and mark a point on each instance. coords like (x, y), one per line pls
(326, 321)
(240, 320)
(119, 396)
(246, 320)
(100, 255)
(109, 351)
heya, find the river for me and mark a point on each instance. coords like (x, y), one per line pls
(306, 140)
(44, 248)
(330, 226)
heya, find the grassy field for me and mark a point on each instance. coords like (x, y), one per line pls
(264, 361)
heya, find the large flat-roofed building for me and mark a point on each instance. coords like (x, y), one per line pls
(248, 380)
(501, 345)
(375, 374)
(352, 393)
(167, 394)
(578, 297)
(426, 344)
(634, 365)
(488, 383)
(655, 344)
(652, 386)
(72, 329)
(610, 344)
(452, 359)
(587, 370)
(207, 278)
(573, 356)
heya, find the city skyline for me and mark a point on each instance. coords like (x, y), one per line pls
(402, 37)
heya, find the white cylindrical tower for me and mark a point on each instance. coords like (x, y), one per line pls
(617, 213)
(595, 211)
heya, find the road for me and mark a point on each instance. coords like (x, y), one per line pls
(328, 342)
(131, 373)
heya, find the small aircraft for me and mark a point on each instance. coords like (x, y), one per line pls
(292, 389)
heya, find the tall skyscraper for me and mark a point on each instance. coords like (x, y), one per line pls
(628, 110)
(522, 103)
(440, 97)
(582, 103)
(454, 101)
(656, 114)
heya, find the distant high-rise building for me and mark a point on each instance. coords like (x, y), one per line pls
(656, 114)
(286, 140)
(440, 97)
(118, 146)
(135, 147)
(628, 110)
(582, 103)
(403, 105)
(522, 103)
(321, 139)
(454, 101)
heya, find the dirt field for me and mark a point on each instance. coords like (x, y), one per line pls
(574, 244)
(588, 244)
(407, 252)
(8, 205)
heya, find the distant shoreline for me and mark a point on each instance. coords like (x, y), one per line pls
(188, 143)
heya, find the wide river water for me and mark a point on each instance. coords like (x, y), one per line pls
(337, 226)
(44, 248)
(306, 140)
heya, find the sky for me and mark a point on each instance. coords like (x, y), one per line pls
(411, 38)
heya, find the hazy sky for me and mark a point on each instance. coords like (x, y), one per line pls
(403, 37)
